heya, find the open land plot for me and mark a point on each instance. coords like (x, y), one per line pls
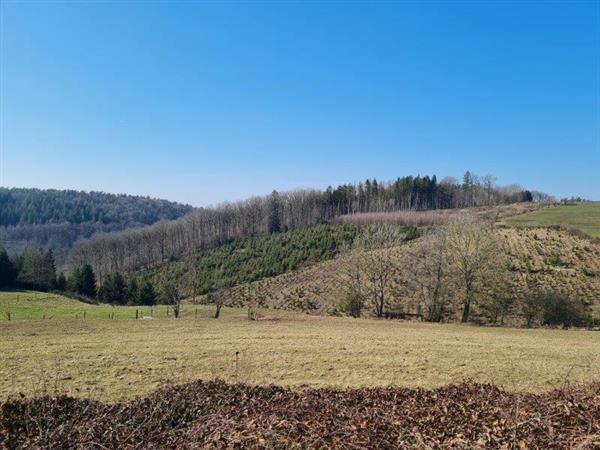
(585, 216)
(113, 359)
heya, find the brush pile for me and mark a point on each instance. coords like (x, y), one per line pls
(217, 415)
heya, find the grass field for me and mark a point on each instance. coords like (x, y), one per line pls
(31, 305)
(111, 359)
(585, 216)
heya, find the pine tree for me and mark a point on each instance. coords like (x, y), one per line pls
(84, 281)
(61, 282)
(147, 295)
(7, 270)
(37, 269)
(113, 289)
(132, 292)
(274, 213)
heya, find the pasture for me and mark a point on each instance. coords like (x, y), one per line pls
(114, 359)
(584, 216)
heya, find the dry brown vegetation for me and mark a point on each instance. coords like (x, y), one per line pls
(112, 359)
(440, 216)
(218, 415)
(549, 257)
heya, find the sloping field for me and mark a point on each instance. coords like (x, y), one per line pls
(554, 258)
(213, 415)
(584, 216)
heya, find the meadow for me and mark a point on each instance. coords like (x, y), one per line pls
(584, 216)
(116, 359)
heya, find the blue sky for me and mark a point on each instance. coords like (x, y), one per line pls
(207, 102)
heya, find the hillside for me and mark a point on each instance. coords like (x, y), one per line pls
(584, 216)
(293, 210)
(250, 259)
(57, 218)
(552, 258)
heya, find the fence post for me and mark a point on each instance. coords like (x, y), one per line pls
(84, 315)
(136, 314)
(237, 365)
(8, 315)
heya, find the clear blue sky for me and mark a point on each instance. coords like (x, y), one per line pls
(202, 103)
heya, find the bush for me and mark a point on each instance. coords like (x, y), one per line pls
(352, 304)
(559, 309)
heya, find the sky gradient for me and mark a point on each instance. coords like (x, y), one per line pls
(207, 102)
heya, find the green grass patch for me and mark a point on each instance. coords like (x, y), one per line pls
(584, 216)
(33, 305)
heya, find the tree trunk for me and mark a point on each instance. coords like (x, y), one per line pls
(466, 309)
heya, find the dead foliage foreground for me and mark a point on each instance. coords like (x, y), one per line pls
(220, 415)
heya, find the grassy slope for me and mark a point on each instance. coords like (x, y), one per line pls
(585, 216)
(554, 258)
(125, 358)
(245, 260)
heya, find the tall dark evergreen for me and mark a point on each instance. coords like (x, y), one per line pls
(146, 293)
(7, 270)
(61, 282)
(36, 269)
(83, 281)
(274, 225)
(113, 289)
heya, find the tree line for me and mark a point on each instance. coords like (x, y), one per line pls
(35, 269)
(147, 247)
(55, 219)
(24, 206)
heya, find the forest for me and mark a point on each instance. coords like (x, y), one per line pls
(145, 248)
(55, 219)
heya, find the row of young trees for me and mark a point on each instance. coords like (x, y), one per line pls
(456, 268)
(147, 247)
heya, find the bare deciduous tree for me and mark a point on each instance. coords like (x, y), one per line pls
(172, 296)
(429, 273)
(474, 253)
(371, 272)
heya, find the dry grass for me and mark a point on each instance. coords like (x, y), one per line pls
(440, 216)
(108, 360)
(554, 258)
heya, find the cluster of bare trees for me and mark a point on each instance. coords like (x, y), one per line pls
(146, 247)
(452, 269)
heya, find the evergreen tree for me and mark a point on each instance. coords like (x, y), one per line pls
(274, 213)
(147, 295)
(37, 269)
(7, 270)
(84, 281)
(61, 282)
(113, 289)
(132, 292)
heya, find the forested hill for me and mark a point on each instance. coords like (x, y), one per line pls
(21, 206)
(55, 219)
(284, 211)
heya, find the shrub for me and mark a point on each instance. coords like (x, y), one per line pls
(352, 304)
(559, 309)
